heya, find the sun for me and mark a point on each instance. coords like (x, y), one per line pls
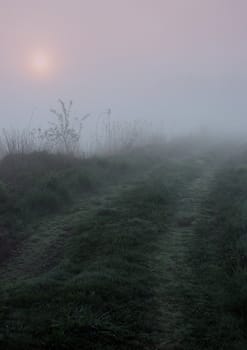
(41, 64)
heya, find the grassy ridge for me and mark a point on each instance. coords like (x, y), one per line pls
(104, 289)
(39, 185)
(102, 294)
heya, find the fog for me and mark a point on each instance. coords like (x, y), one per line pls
(178, 63)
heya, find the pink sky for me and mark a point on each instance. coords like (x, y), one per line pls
(133, 55)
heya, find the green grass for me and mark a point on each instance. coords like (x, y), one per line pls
(102, 292)
(40, 184)
(219, 264)
(135, 251)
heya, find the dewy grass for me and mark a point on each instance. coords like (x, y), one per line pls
(218, 261)
(102, 294)
(144, 250)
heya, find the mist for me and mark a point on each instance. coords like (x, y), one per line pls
(180, 64)
(123, 174)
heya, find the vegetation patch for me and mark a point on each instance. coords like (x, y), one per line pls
(103, 293)
(219, 262)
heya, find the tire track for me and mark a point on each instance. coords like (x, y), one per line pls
(178, 278)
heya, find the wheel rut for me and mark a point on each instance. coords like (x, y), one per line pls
(178, 283)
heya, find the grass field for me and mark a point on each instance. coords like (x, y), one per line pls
(137, 251)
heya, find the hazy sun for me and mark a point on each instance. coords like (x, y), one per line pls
(41, 64)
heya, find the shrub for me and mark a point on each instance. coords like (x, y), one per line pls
(64, 134)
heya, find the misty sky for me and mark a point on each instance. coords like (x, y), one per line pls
(182, 62)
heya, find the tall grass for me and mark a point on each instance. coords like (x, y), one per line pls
(106, 137)
(113, 135)
(22, 141)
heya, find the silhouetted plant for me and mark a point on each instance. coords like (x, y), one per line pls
(18, 141)
(65, 133)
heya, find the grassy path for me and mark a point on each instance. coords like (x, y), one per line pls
(111, 273)
(178, 281)
(46, 242)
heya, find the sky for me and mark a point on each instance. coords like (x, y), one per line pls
(181, 63)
